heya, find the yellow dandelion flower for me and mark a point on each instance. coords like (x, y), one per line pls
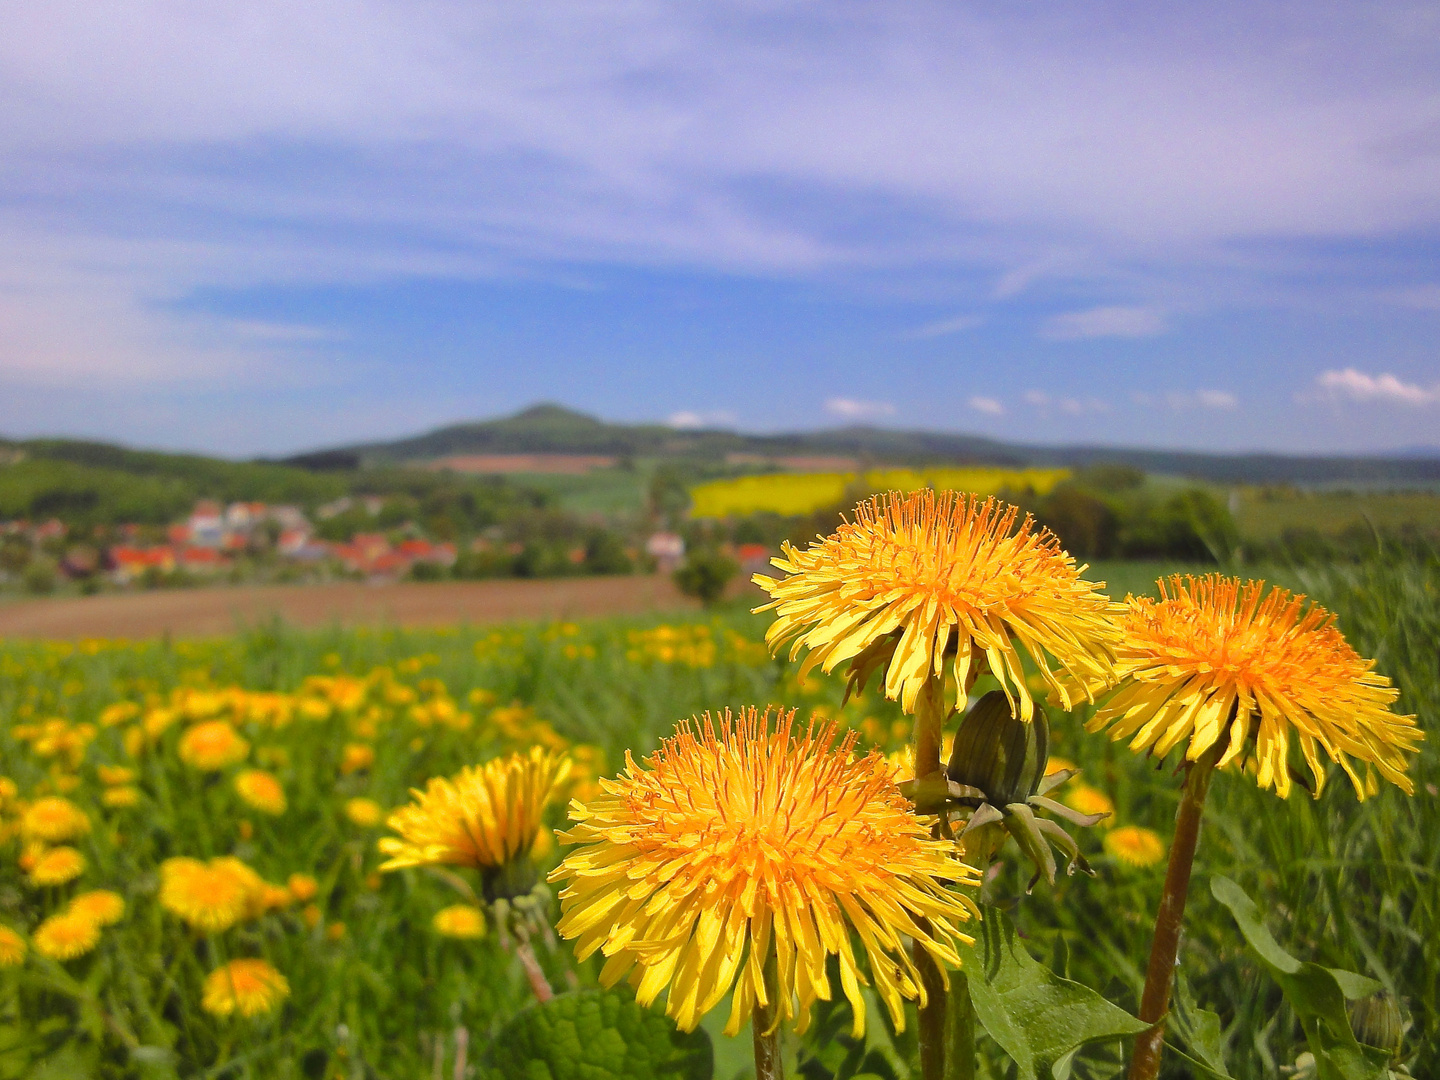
(52, 820)
(1215, 660)
(120, 797)
(367, 813)
(464, 921)
(1084, 799)
(114, 774)
(335, 931)
(57, 866)
(12, 948)
(247, 987)
(918, 578)
(302, 887)
(1059, 764)
(64, 937)
(212, 746)
(1135, 845)
(356, 757)
(211, 897)
(733, 845)
(9, 790)
(311, 915)
(261, 791)
(100, 906)
(483, 817)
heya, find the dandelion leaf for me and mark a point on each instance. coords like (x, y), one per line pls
(1198, 1031)
(1317, 994)
(596, 1035)
(1037, 1017)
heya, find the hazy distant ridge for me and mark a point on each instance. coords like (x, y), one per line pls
(553, 429)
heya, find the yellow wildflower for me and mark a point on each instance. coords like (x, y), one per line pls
(464, 921)
(1135, 845)
(919, 578)
(483, 817)
(302, 887)
(210, 897)
(119, 797)
(100, 906)
(367, 813)
(52, 820)
(1218, 661)
(247, 987)
(12, 948)
(730, 845)
(356, 757)
(57, 866)
(261, 791)
(64, 937)
(212, 746)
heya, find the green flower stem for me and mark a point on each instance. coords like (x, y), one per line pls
(929, 740)
(1155, 1001)
(765, 1029)
(929, 727)
(538, 984)
(960, 1051)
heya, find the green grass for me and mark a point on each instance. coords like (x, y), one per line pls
(1346, 884)
(1265, 514)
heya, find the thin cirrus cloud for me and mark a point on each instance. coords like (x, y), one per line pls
(1350, 384)
(1069, 406)
(689, 419)
(853, 409)
(1179, 400)
(944, 327)
(988, 405)
(1105, 322)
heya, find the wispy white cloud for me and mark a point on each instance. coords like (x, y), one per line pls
(988, 405)
(1354, 385)
(851, 409)
(1069, 406)
(944, 327)
(1187, 399)
(688, 419)
(1102, 322)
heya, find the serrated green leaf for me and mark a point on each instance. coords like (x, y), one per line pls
(1037, 1017)
(1314, 992)
(596, 1035)
(1198, 1030)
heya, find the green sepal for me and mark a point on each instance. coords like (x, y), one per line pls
(596, 1035)
(1036, 1016)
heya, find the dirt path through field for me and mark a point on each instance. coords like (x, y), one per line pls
(205, 612)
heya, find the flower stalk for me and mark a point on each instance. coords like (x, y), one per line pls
(929, 741)
(1165, 948)
(765, 1028)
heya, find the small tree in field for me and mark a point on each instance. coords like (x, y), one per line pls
(704, 575)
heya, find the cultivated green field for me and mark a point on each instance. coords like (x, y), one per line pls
(376, 992)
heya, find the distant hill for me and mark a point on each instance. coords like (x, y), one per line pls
(554, 429)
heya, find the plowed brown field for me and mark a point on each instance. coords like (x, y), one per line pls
(205, 612)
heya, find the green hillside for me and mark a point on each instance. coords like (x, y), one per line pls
(554, 429)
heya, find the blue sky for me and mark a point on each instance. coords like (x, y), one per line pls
(261, 228)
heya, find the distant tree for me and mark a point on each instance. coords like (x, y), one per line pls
(704, 575)
(605, 554)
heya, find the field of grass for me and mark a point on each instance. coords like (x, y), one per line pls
(374, 991)
(1267, 513)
